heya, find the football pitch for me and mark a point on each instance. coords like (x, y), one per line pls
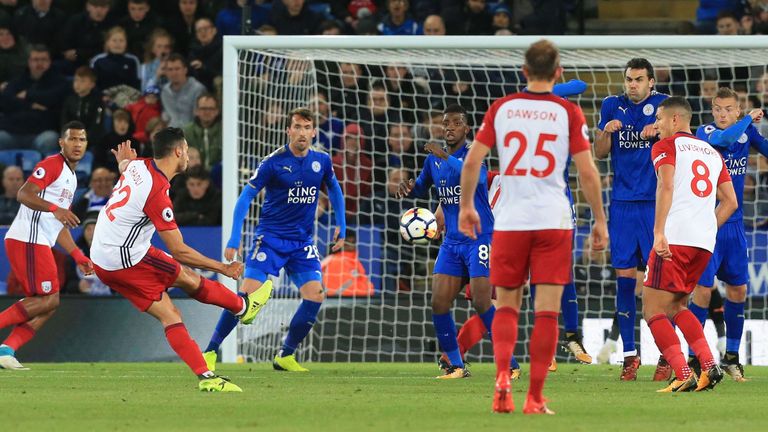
(360, 397)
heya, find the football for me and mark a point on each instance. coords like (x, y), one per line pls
(418, 225)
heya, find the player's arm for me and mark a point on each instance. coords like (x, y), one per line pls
(571, 88)
(336, 197)
(589, 177)
(759, 142)
(238, 220)
(419, 188)
(605, 128)
(124, 155)
(437, 150)
(66, 241)
(440, 220)
(192, 258)
(665, 187)
(29, 196)
(728, 136)
(469, 219)
(728, 203)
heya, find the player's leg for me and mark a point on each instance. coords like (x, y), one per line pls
(569, 304)
(699, 307)
(312, 296)
(716, 314)
(39, 281)
(185, 347)
(19, 336)
(624, 238)
(445, 288)
(733, 314)
(609, 346)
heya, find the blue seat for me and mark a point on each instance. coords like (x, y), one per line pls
(25, 159)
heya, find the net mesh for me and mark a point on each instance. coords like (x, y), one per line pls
(380, 311)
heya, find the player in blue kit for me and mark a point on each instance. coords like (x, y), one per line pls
(460, 257)
(626, 133)
(733, 138)
(292, 177)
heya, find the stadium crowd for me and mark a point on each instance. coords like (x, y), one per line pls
(129, 68)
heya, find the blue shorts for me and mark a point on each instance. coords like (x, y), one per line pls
(270, 254)
(630, 228)
(465, 259)
(730, 259)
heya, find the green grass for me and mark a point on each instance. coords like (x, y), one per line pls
(360, 397)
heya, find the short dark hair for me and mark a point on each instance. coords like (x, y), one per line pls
(198, 173)
(542, 59)
(302, 112)
(146, 2)
(677, 102)
(165, 141)
(176, 57)
(640, 63)
(206, 95)
(85, 72)
(74, 124)
(723, 14)
(40, 48)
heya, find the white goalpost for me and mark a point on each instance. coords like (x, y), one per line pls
(394, 89)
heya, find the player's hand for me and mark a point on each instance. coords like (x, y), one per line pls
(469, 222)
(233, 270)
(599, 236)
(612, 126)
(405, 188)
(231, 254)
(338, 243)
(440, 221)
(648, 131)
(661, 247)
(66, 217)
(124, 152)
(756, 114)
(86, 267)
(436, 149)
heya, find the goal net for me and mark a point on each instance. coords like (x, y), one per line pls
(379, 101)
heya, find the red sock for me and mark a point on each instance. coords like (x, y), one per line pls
(212, 292)
(470, 333)
(185, 347)
(20, 335)
(504, 329)
(14, 315)
(669, 344)
(694, 334)
(542, 347)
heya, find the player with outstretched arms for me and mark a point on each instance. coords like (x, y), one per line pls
(534, 132)
(691, 176)
(43, 220)
(626, 133)
(124, 259)
(292, 176)
(733, 138)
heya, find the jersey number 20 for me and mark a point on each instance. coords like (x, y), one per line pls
(539, 151)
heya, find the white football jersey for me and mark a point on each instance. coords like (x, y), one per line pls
(535, 134)
(494, 191)
(699, 170)
(139, 204)
(58, 183)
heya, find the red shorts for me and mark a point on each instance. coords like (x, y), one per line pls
(468, 292)
(34, 267)
(681, 274)
(144, 283)
(545, 255)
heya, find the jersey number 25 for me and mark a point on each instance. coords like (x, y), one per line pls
(522, 141)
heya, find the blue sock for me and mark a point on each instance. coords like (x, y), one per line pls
(514, 364)
(445, 330)
(570, 307)
(301, 324)
(626, 310)
(734, 325)
(532, 290)
(487, 318)
(224, 327)
(701, 314)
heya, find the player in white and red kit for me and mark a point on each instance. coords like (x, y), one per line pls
(43, 220)
(124, 259)
(534, 132)
(691, 176)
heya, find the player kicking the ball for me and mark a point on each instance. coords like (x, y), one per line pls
(124, 259)
(534, 132)
(691, 175)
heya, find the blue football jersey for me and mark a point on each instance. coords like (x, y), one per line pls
(736, 156)
(447, 181)
(292, 186)
(633, 176)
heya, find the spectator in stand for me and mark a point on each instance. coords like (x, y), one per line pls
(13, 179)
(329, 128)
(39, 23)
(204, 133)
(198, 204)
(727, 24)
(502, 18)
(434, 26)
(84, 104)
(759, 18)
(405, 94)
(144, 149)
(181, 24)
(180, 93)
(702, 105)
(402, 152)
(354, 170)
(397, 21)
(294, 17)
(115, 66)
(30, 105)
(205, 55)
(144, 110)
(350, 95)
(331, 28)
(376, 117)
(549, 17)
(266, 30)
(708, 10)
(83, 36)
(140, 22)
(343, 273)
(179, 183)
(77, 281)
(229, 21)
(122, 130)
(159, 46)
(13, 55)
(470, 19)
(100, 188)
(367, 27)
(354, 11)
